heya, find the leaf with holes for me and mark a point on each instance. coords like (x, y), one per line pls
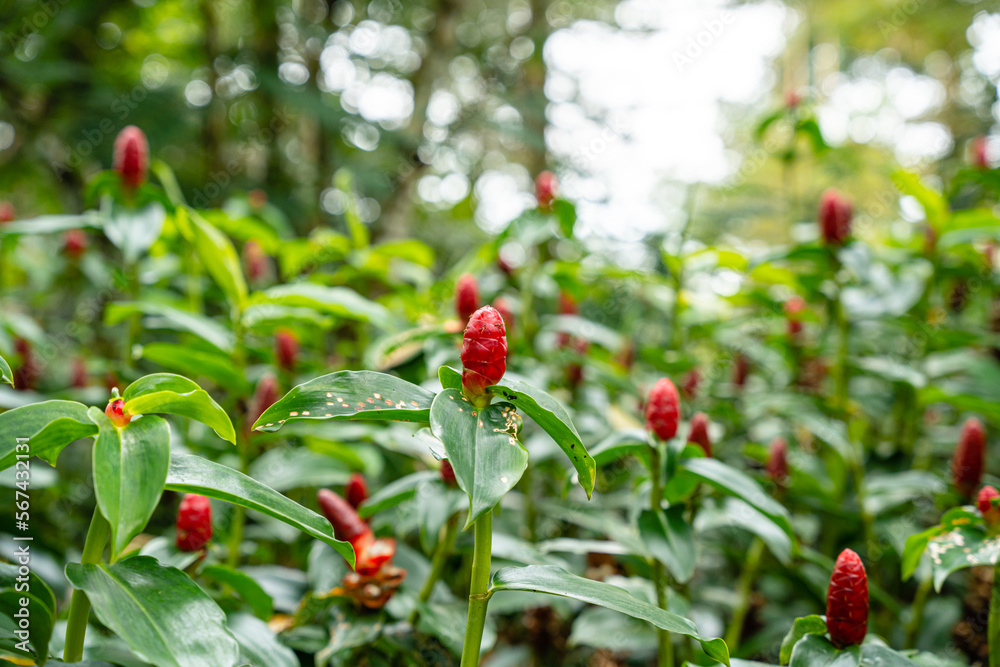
(954, 519)
(49, 427)
(166, 393)
(549, 413)
(960, 548)
(356, 395)
(482, 447)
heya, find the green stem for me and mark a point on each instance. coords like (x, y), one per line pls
(842, 351)
(666, 647)
(745, 588)
(239, 512)
(478, 591)
(917, 611)
(444, 549)
(79, 606)
(993, 632)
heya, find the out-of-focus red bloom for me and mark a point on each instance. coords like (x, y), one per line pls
(741, 369)
(930, 240)
(356, 490)
(131, 156)
(371, 552)
(484, 351)
(792, 99)
(990, 511)
(466, 296)
(116, 412)
(286, 349)
(29, 370)
(574, 370)
(689, 387)
(793, 311)
(699, 432)
(979, 152)
(835, 213)
(847, 601)
(257, 199)
(506, 313)
(79, 378)
(546, 189)
(194, 523)
(74, 243)
(777, 461)
(967, 463)
(255, 261)
(7, 212)
(663, 409)
(264, 396)
(448, 473)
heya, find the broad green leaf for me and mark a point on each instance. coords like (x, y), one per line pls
(628, 442)
(163, 616)
(244, 585)
(736, 483)
(954, 519)
(50, 426)
(268, 316)
(130, 468)
(396, 493)
(166, 393)
(193, 474)
(885, 492)
(162, 316)
(286, 468)
(134, 231)
(935, 206)
(338, 301)
(194, 362)
(53, 224)
(548, 413)
(876, 655)
(670, 540)
(891, 370)
(40, 618)
(217, 254)
(817, 651)
(805, 625)
(360, 395)
(734, 513)
(5, 374)
(450, 378)
(555, 581)
(482, 447)
(961, 548)
(259, 646)
(9, 573)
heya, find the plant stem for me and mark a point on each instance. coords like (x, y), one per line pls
(445, 546)
(993, 629)
(917, 613)
(239, 512)
(843, 327)
(666, 647)
(79, 606)
(478, 591)
(735, 630)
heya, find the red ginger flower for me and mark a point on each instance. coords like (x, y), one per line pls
(79, 378)
(777, 461)
(990, 511)
(967, 463)
(847, 601)
(356, 490)
(503, 307)
(255, 262)
(117, 413)
(484, 351)
(546, 189)
(835, 213)
(466, 296)
(131, 156)
(741, 369)
(793, 311)
(371, 553)
(286, 349)
(7, 212)
(75, 243)
(689, 388)
(264, 396)
(448, 473)
(663, 409)
(979, 153)
(699, 432)
(194, 523)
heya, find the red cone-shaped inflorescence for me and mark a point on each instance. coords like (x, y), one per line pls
(663, 409)
(777, 461)
(484, 351)
(979, 153)
(546, 189)
(356, 490)
(967, 463)
(371, 552)
(286, 349)
(255, 262)
(741, 370)
(847, 601)
(506, 313)
(27, 373)
(986, 504)
(448, 473)
(7, 212)
(131, 156)
(793, 311)
(79, 377)
(699, 432)
(835, 213)
(194, 523)
(264, 396)
(74, 243)
(117, 413)
(466, 296)
(689, 387)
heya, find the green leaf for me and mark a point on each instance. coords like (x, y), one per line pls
(450, 378)
(876, 655)
(130, 468)
(360, 395)
(194, 362)
(482, 447)
(134, 231)
(935, 206)
(162, 316)
(914, 550)
(244, 585)
(341, 302)
(53, 224)
(286, 468)
(734, 513)
(817, 651)
(217, 254)
(556, 581)
(163, 616)
(736, 483)
(5, 374)
(40, 617)
(259, 646)
(548, 413)
(628, 442)
(9, 573)
(960, 548)
(805, 625)
(193, 474)
(670, 540)
(396, 493)
(49, 426)
(166, 393)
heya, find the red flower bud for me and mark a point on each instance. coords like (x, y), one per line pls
(75, 243)
(777, 461)
(257, 199)
(967, 463)
(847, 601)
(466, 296)
(990, 511)
(356, 490)
(793, 311)
(567, 304)
(503, 307)
(264, 396)
(699, 432)
(979, 152)
(79, 376)
(448, 473)
(484, 351)
(574, 371)
(835, 212)
(663, 409)
(194, 523)
(546, 189)
(28, 372)
(116, 412)
(131, 156)
(792, 99)
(7, 212)
(255, 261)
(371, 553)
(286, 349)
(741, 369)
(689, 387)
